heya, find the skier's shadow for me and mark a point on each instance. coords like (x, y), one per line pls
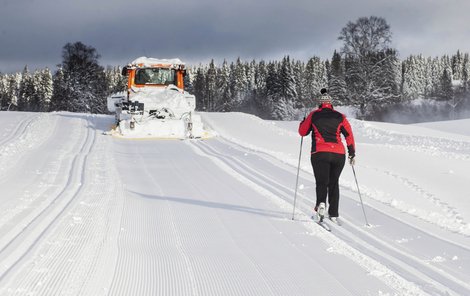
(215, 205)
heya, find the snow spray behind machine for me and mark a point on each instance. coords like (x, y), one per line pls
(156, 104)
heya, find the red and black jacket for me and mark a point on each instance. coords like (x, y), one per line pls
(327, 126)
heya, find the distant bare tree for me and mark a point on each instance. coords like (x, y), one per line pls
(372, 68)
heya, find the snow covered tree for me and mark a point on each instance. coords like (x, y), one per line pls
(336, 83)
(457, 66)
(210, 86)
(200, 88)
(466, 72)
(116, 82)
(223, 87)
(373, 81)
(298, 69)
(465, 90)
(288, 93)
(364, 36)
(60, 93)
(435, 71)
(36, 100)
(249, 104)
(12, 86)
(26, 90)
(315, 78)
(277, 99)
(414, 78)
(42, 81)
(368, 61)
(3, 91)
(84, 78)
(446, 92)
(240, 83)
(260, 92)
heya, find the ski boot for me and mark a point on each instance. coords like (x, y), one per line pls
(320, 212)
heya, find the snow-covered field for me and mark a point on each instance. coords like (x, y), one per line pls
(84, 213)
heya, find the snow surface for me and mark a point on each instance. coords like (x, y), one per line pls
(148, 62)
(85, 213)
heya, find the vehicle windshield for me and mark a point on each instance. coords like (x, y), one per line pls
(155, 76)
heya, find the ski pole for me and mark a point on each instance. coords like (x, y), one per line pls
(298, 167)
(297, 179)
(360, 197)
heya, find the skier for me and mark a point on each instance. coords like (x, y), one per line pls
(328, 153)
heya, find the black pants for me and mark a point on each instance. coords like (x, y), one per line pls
(327, 168)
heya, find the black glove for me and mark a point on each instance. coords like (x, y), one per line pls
(352, 159)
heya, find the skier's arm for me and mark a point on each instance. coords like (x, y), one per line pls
(346, 130)
(305, 127)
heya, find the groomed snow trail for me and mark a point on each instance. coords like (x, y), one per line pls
(190, 226)
(88, 214)
(404, 260)
(57, 231)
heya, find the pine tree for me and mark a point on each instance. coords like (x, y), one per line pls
(288, 93)
(42, 82)
(466, 72)
(240, 83)
(223, 87)
(3, 91)
(298, 69)
(414, 85)
(337, 83)
(210, 81)
(315, 78)
(200, 89)
(457, 66)
(465, 80)
(249, 104)
(12, 91)
(116, 82)
(60, 93)
(36, 101)
(260, 91)
(26, 90)
(446, 92)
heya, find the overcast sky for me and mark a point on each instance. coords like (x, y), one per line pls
(33, 32)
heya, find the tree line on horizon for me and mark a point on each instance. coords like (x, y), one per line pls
(365, 74)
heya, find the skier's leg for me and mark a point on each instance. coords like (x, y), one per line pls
(321, 170)
(337, 164)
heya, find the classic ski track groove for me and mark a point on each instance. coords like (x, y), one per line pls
(14, 139)
(194, 276)
(407, 262)
(22, 244)
(209, 151)
(425, 272)
(212, 282)
(79, 251)
(19, 129)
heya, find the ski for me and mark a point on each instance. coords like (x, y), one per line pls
(336, 221)
(320, 216)
(322, 223)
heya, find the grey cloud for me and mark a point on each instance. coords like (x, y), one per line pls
(33, 32)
